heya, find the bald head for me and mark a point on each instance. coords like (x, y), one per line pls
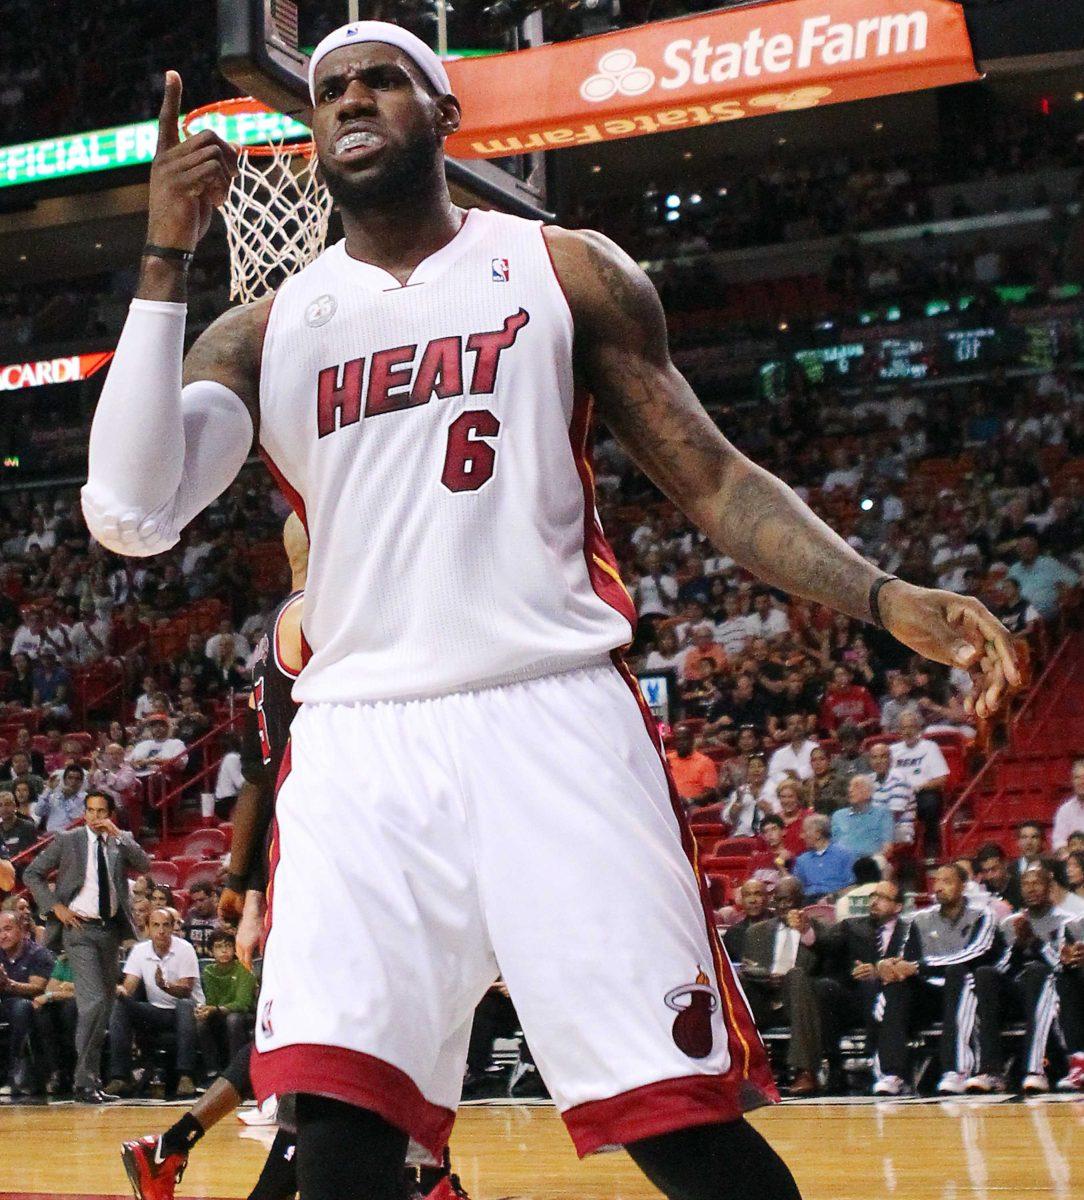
(296, 542)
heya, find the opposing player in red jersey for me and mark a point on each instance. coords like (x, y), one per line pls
(472, 785)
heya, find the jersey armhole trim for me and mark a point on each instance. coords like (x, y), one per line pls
(280, 664)
(557, 279)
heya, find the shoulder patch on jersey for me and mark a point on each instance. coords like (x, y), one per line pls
(321, 310)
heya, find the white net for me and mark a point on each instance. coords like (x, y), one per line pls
(276, 216)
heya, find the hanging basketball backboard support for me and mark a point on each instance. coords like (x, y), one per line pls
(263, 49)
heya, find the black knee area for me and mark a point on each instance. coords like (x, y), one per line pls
(728, 1161)
(278, 1179)
(237, 1073)
(347, 1153)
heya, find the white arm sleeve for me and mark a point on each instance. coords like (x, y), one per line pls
(159, 454)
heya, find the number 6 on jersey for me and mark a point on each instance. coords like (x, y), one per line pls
(469, 460)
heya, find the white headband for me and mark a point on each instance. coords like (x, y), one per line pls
(393, 35)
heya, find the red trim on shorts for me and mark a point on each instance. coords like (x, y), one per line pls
(602, 568)
(358, 1079)
(651, 1110)
(749, 1075)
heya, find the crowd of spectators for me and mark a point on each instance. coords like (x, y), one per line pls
(164, 974)
(994, 514)
(68, 608)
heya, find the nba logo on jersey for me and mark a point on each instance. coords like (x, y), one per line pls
(500, 270)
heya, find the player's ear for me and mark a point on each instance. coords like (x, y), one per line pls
(448, 115)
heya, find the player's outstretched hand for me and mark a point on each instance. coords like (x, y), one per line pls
(959, 631)
(189, 179)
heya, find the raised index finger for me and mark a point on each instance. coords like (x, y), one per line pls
(169, 133)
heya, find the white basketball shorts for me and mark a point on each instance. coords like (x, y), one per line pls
(528, 830)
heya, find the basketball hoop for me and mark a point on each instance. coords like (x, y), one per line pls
(276, 210)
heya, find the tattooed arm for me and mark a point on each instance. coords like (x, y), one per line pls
(622, 357)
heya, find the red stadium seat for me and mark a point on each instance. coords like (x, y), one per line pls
(205, 843)
(735, 846)
(184, 863)
(165, 872)
(202, 872)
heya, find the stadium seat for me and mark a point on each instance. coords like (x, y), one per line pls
(165, 872)
(735, 846)
(202, 872)
(184, 863)
(205, 843)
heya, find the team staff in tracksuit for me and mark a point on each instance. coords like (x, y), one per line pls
(937, 978)
(1026, 978)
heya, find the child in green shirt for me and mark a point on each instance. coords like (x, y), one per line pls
(224, 1021)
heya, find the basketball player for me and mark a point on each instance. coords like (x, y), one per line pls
(156, 1163)
(472, 784)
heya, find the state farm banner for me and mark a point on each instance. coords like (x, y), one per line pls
(69, 369)
(702, 69)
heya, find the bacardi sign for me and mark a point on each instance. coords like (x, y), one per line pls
(69, 369)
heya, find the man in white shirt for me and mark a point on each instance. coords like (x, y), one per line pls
(766, 620)
(27, 639)
(198, 547)
(733, 632)
(157, 747)
(44, 539)
(953, 557)
(656, 591)
(1070, 815)
(89, 636)
(795, 755)
(168, 970)
(230, 779)
(844, 473)
(920, 761)
(893, 791)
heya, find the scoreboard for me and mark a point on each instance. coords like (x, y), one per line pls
(1021, 340)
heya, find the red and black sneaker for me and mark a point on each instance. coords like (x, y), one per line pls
(449, 1188)
(153, 1175)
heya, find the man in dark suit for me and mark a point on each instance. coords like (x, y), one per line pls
(780, 956)
(849, 992)
(91, 901)
(754, 902)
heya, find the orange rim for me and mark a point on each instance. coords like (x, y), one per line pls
(240, 106)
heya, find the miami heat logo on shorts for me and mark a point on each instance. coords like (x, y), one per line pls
(694, 1004)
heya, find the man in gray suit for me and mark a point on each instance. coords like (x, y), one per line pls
(91, 902)
(779, 958)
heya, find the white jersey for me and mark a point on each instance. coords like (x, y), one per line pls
(430, 437)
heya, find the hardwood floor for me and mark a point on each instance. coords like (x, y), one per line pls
(966, 1150)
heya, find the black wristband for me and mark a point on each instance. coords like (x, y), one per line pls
(875, 599)
(170, 252)
(236, 883)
